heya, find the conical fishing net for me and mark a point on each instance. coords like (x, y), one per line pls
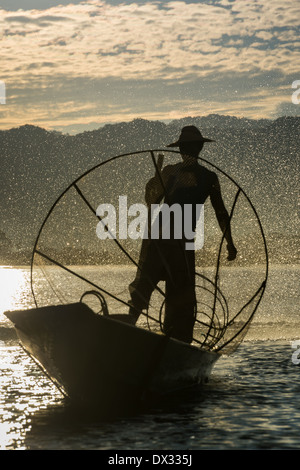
(89, 248)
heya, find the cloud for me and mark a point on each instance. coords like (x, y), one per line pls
(142, 41)
(44, 19)
(176, 55)
(14, 5)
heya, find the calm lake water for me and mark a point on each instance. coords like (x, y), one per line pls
(252, 400)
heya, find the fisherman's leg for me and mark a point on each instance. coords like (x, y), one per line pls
(148, 275)
(180, 312)
(180, 306)
(140, 291)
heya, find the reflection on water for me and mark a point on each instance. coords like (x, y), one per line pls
(238, 409)
(252, 400)
(14, 289)
(24, 390)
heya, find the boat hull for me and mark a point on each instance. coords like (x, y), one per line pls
(101, 361)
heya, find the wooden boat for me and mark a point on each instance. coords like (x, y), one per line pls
(95, 359)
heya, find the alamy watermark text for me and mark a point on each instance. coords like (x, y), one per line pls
(158, 221)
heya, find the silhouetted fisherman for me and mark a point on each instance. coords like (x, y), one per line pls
(183, 183)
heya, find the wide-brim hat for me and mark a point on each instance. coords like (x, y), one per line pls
(190, 134)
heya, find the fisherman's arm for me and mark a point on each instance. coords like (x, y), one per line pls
(222, 217)
(155, 188)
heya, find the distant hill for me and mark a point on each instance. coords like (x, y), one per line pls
(37, 165)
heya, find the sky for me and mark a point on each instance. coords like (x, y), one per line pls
(78, 65)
